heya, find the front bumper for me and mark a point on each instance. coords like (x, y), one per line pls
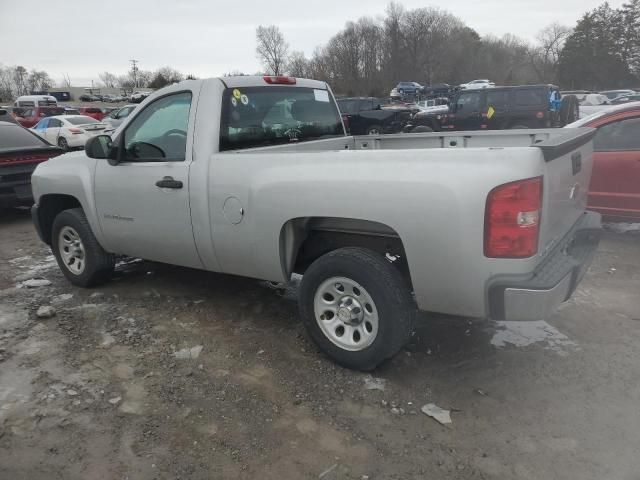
(538, 295)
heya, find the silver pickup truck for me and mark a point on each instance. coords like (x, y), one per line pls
(255, 176)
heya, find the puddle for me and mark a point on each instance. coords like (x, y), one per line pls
(523, 334)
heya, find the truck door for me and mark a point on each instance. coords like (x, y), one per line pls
(615, 181)
(468, 116)
(143, 201)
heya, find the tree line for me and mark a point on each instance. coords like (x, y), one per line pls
(428, 45)
(136, 78)
(16, 81)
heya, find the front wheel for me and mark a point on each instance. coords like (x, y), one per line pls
(79, 255)
(357, 307)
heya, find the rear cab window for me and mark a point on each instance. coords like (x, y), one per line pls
(276, 115)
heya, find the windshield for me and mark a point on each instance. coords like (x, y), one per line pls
(81, 120)
(263, 116)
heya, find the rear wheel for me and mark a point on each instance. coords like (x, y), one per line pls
(374, 130)
(357, 307)
(79, 255)
(63, 144)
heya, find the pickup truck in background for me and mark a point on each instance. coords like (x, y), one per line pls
(254, 176)
(367, 116)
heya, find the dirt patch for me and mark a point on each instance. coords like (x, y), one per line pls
(97, 391)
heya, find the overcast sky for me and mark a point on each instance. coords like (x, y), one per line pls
(210, 37)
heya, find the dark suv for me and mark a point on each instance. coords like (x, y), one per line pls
(366, 116)
(530, 106)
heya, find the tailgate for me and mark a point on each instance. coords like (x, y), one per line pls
(567, 173)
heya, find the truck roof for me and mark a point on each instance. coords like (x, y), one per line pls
(259, 81)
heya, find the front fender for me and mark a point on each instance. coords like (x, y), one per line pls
(70, 174)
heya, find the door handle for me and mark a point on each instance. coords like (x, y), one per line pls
(169, 182)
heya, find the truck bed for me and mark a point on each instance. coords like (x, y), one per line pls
(549, 140)
(445, 179)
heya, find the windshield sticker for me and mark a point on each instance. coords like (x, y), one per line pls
(237, 94)
(321, 95)
(234, 102)
(244, 99)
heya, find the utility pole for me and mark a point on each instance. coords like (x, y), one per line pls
(134, 69)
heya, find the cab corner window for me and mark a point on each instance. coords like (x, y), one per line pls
(159, 132)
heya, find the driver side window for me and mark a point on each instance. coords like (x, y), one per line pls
(159, 132)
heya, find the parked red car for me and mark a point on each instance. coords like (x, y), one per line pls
(29, 116)
(615, 181)
(21, 151)
(93, 112)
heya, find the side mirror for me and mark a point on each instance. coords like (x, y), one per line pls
(99, 147)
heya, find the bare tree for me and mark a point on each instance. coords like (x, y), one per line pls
(7, 90)
(39, 81)
(546, 56)
(108, 79)
(20, 80)
(297, 64)
(66, 80)
(272, 49)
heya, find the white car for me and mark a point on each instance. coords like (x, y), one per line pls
(68, 131)
(434, 105)
(477, 84)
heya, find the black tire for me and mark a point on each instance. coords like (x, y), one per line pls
(569, 110)
(422, 129)
(384, 284)
(374, 130)
(63, 144)
(98, 264)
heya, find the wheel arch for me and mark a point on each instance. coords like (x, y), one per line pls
(304, 239)
(49, 206)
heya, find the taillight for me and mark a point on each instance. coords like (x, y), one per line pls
(279, 80)
(512, 219)
(75, 130)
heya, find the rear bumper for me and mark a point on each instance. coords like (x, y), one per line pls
(539, 294)
(15, 185)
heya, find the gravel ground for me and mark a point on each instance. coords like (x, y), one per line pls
(173, 373)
